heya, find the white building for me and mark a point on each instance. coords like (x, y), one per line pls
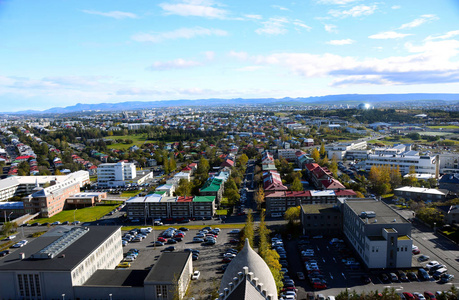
(288, 154)
(24, 185)
(115, 174)
(422, 164)
(378, 234)
(340, 150)
(449, 163)
(64, 257)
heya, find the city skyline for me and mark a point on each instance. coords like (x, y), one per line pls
(57, 54)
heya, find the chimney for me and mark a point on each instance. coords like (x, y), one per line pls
(255, 281)
(226, 290)
(235, 280)
(270, 297)
(21, 255)
(250, 276)
(260, 286)
(221, 296)
(231, 286)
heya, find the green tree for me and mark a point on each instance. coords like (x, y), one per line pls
(296, 185)
(184, 188)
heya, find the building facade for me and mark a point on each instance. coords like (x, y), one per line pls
(380, 236)
(115, 174)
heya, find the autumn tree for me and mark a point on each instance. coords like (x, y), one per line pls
(248, 230)
(292, 214)
(322, 150)
(259, 197)
(395, 177)
(333, 166)
(315, 155)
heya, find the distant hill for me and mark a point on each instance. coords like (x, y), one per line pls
(352, 99)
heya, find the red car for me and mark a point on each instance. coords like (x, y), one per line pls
(234, 241)
(429, 295)
(408, 296)
(319, 285)
(227, 259)
(161, 239)
(416, 251)
(179, 235)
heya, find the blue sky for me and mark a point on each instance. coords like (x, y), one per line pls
(59, 53)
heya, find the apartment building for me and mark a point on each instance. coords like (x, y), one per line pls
(115, 174)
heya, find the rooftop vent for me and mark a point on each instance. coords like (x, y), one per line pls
(56, 247)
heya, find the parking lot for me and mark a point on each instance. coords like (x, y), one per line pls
(339, 272)
(208, 263)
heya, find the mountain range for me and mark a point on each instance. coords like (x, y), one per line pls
(351, 99)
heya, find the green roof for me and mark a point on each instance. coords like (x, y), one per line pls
(204, 199)
(159, 192)
(212, 185)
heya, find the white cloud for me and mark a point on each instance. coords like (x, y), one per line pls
(432, 62)
(254, 17)
(336, 2)
(356, 11)
(418, 22)
(112, 14)
(278, 25)
(396, 7)
(197, 8)
(340, 42)
(330, 28)
(250, 69)
(182, 33)
(210, 55)
(388, 35)
(239, 55)
(274, 26)
(448, 35)
(280, 7)
(301, 24)
(173, 64)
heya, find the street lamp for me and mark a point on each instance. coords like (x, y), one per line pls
(110, 296)
(63, 296)
(9, 216)
(74, 214)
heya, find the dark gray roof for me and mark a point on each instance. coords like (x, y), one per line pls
(384, 214)
(169, 267)
(450, 178)
(117, 278)
(74, 254)
(245, 290)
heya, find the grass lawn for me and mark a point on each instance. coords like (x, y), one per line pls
(434, 133)
(445, 127)
(222, 212)
(87, 214)
(129, 194)
(138, 139)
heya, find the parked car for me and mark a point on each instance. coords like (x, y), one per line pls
(423, 258)
(431, 264)
(169, 249)
(300, 275)
(446, 278)
(158, 243)
(402, 276)
(123, 265)
(195, 275)
(429, 295)
(4, 253)
(56, 223)
(384, 277)
(393, 277)
(412, 276)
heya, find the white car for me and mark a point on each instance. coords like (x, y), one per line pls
(129, 258)
(195, 275)
(20, 244)
(11, 237)
(431, 264)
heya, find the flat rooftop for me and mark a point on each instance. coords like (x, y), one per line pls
(384, 214)
(168, 267)
(117, 278)
(74, 254)
(319, 209)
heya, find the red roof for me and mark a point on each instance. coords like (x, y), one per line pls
(312, 166)
(332, 184)
(185, 199)
(24, 157)
(297, 194)
(345, 193)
